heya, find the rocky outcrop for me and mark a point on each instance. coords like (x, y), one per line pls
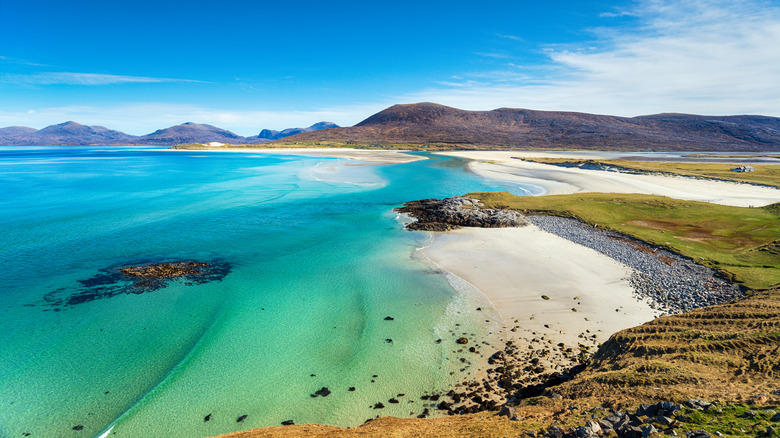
(456, 212)
(136, 279)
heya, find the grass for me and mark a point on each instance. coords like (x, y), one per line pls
(743, 244)
(766, 174)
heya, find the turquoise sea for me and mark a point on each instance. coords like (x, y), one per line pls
(313, 260)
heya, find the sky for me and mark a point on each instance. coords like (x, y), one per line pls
(142, 65)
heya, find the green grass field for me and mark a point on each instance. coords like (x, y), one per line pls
(741, 243)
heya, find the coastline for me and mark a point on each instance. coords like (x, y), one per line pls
(535, 279)
(370, 156)
(558, 180)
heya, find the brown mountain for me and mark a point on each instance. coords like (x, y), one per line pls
(68, 133)
(191, 133)
(76, 134)
(269, 134)
(521, 128)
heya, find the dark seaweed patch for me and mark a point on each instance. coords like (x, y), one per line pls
(136, 279)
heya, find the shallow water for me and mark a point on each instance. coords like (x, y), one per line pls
(317, 260)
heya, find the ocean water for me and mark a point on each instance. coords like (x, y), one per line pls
(314, 260)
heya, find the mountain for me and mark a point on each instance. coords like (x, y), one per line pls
(15, 133)
(506, 128)
(75, 134)
(191, 133)
(447, 127)
(275, 135)
(68, 133)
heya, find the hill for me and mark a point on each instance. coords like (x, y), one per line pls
(76, 134)
(191, 133)
(505, 128)
(64, 134)
(269, 134)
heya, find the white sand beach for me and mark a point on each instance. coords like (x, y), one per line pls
(515, 267)
(556, 180)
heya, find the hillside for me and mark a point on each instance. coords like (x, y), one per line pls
(505, 128)
(191, 133)
(270, 134)
(76, 134)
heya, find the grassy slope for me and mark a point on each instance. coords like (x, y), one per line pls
(768, 174)
(741, 243)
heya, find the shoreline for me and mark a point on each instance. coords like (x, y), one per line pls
(559, 180)
(376, 157)
(535, 280)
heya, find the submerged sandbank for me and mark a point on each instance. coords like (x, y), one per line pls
(370, 156)
(559, 180)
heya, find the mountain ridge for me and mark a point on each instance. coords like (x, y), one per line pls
(452, 128)
(519, 128)
(75, 134)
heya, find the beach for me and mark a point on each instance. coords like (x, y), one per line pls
(585, 292)
(554, 180)
(536, 279)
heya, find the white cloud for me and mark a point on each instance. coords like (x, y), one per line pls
(697, 56)
(69, 78)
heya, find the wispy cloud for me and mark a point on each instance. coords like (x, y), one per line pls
(702, 56)
(17, 61)
(494, 55)
(90, 79)
(511, 37)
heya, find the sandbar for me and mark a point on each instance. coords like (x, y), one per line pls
(366, 155)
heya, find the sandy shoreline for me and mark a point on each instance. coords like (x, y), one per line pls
(369, 156)
(515, 267)
(556, 180)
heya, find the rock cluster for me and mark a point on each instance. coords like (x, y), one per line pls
(136, 279)
(165, 270)
(648, 420)
(670, 282)
(455, 212)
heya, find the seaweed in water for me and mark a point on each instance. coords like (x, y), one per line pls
(136, 279)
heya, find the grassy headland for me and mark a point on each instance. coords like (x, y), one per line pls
(743, 244)
(765, 174)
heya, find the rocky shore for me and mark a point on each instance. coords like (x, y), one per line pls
(519, 370)
(670, 282)
(458, 211)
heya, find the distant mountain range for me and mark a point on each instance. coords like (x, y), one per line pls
(75, 134)
(430, 123)
(506, 128)
(276, 135)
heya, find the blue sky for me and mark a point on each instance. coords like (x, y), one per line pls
(244, 66)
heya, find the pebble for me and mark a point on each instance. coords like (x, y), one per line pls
(670, 282)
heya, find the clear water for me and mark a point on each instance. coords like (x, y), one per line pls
(317, 258)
